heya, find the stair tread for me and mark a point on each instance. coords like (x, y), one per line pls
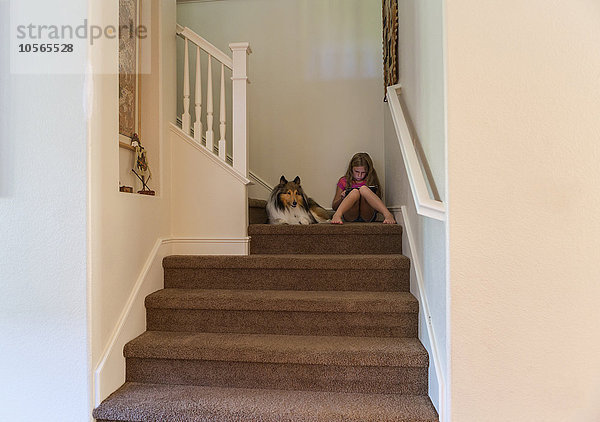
(326, 229)
(288, 261)
(257, 203)
(276, 348)
(284, 300)
(142, 402)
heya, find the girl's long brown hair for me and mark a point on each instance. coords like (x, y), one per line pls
(362, 159)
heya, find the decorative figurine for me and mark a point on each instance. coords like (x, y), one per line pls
(141, 165)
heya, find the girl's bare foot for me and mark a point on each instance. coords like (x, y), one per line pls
(336, 219)
(388, 219)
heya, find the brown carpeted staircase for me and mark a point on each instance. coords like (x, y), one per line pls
(317, 324)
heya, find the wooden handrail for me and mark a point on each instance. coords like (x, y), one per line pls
(425, 205)
(187, 33)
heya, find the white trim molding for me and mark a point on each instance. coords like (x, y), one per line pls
(424, 305)
(424, 204)
(206, 151)
(259, 181)
(255, 179)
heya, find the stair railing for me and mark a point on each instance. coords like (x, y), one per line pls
(424, 203)
(237, 64)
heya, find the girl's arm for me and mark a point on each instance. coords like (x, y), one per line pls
(338, 198)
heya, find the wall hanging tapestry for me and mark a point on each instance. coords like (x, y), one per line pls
(390, 43)
(129, 53)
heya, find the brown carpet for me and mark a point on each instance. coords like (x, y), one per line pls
(354, 238)
(178, 403)
(317, 324)
(289, 272)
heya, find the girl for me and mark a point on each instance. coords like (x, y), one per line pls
(358, 194)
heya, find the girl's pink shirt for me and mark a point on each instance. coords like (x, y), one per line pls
(342, 183)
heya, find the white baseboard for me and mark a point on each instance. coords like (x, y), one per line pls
(109, 372)
(416, 263)
(260, 182)
(204, 246)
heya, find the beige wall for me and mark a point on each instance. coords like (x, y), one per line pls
(523, 154)
(316, 95)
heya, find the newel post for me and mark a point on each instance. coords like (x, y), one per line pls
(240, 110)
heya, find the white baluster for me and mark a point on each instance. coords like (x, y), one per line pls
(209, 109)
(240, 111)
(185, 118)
(198, 99)
(222, 118)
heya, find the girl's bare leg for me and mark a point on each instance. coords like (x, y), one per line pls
(348, 208)
(375, 202)
(367, 212)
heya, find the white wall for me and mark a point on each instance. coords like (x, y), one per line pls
(43, 307)
(205, 195)
(421, 72)
(523, 154)
(316, 94)
(124, 228)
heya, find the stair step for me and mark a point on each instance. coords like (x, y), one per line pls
(352, 238)
(271, 348)
(386, 272)
(283, 300)
(183, 403)
(256, 211)
(314, 363)
(342, 313)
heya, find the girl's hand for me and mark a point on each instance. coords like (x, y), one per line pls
(343, 195)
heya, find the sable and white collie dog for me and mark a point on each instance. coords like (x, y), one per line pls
(288, 204)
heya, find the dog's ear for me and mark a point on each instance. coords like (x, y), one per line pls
(297, 180)
(282, 181)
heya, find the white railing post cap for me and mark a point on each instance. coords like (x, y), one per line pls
(240, 46)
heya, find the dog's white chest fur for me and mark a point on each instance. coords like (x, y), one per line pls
(297, 215)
